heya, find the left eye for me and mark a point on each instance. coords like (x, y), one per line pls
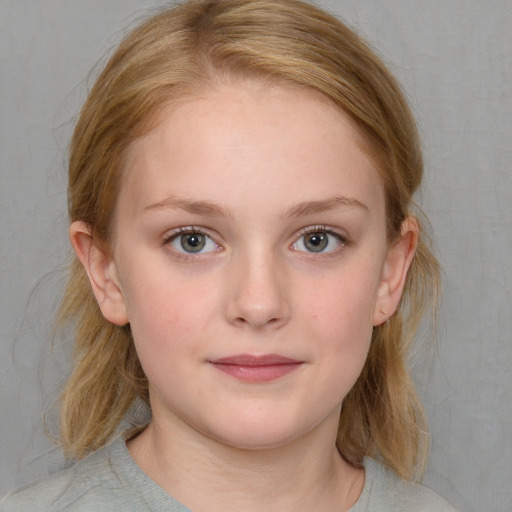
(192, 242)
(319, 241)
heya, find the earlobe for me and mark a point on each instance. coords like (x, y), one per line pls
(102, 273)
(398, 261)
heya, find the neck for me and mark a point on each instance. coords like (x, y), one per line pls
(205, 475)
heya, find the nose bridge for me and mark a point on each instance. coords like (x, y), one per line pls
(258, 295)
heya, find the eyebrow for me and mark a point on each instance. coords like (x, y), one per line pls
(211, 209)
(312, 207)
(205, 208)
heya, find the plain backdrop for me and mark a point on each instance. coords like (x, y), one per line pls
(454, 60)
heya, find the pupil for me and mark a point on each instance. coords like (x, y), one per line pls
(192, 242)
(316, 242)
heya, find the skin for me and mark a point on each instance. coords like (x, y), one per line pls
(253, 169)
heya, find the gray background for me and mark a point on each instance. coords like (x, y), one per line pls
(454, 60)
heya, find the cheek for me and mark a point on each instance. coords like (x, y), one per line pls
(166, 314)
(340, 323)
(342, 303)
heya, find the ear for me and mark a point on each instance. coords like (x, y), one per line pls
(398, 260)
(102, 273)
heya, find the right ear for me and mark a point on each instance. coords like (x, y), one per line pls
(102, 273)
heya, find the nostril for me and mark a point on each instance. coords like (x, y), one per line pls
(257, 300)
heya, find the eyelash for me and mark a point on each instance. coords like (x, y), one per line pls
(185, 257)
(342, 239)
(191, 257)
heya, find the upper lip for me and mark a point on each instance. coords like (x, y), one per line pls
(255, 360)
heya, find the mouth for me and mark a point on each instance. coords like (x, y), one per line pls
(248, 368)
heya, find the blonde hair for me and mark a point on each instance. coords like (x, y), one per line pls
(195, 45)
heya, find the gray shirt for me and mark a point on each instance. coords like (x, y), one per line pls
(110, 481)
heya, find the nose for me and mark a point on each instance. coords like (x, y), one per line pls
(258, 294)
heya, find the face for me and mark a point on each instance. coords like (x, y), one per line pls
(250, 259)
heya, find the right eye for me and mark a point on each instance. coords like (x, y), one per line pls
(192, 242)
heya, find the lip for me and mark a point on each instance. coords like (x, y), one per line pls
(261, 368)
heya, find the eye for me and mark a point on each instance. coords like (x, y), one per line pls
(191, 241)
(319, 240)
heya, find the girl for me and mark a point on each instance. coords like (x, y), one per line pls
(248, 266)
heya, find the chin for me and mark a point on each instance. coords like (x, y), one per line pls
(258, 435)
(257, 442)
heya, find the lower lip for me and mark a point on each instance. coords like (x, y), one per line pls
(259, 373)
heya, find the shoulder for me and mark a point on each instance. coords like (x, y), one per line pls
(89, 485)
(385, 491)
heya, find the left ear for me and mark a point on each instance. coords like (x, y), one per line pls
(398, 260)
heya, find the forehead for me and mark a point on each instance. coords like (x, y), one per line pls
(251, 137)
